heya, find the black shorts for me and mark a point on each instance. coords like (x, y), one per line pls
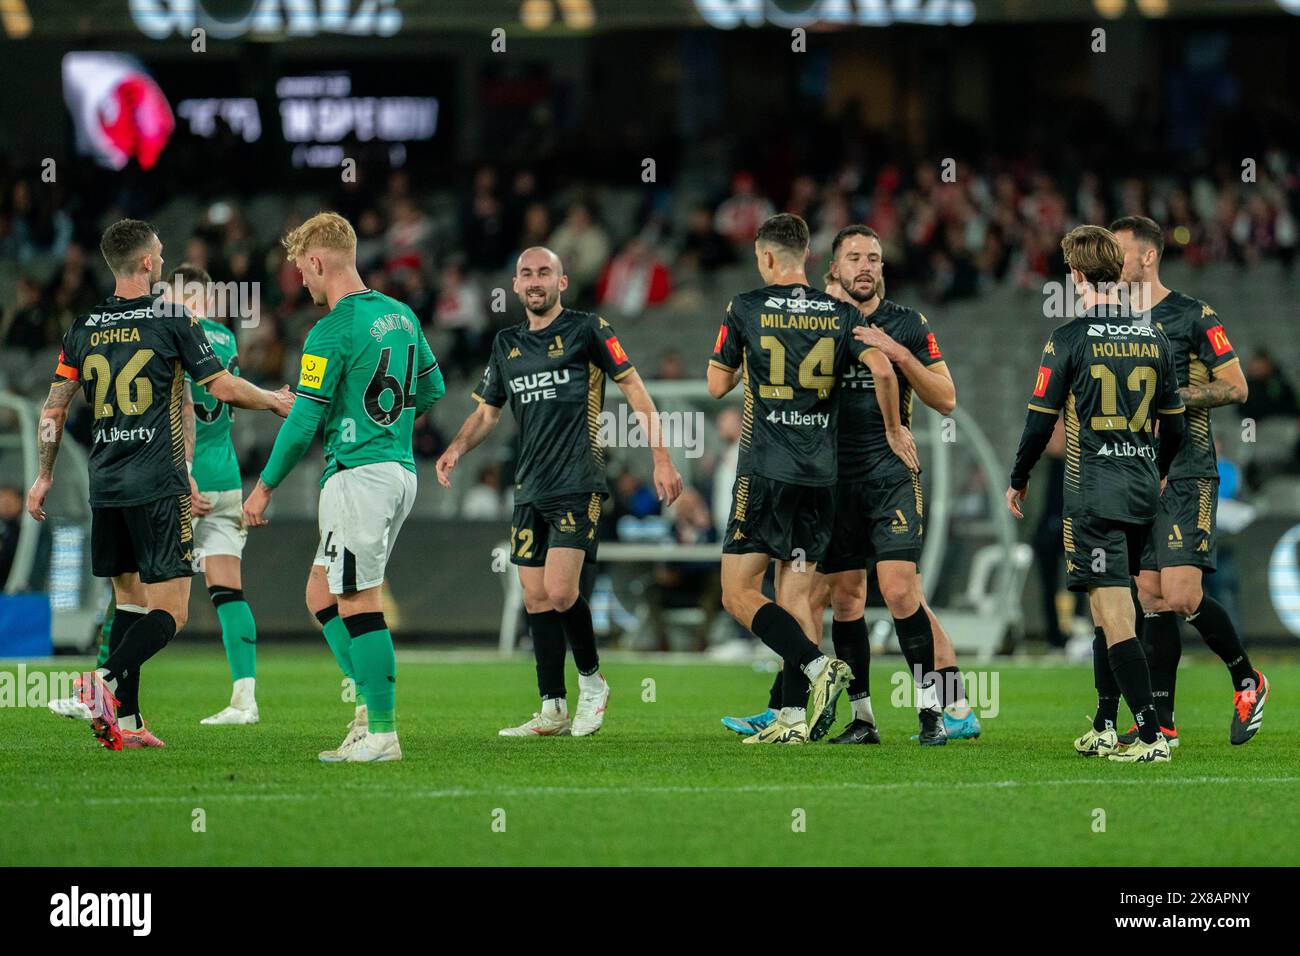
(566, 522)
(782, 520)
(156, 539)
(1101, 552)
(876, 521)
(1183, 534)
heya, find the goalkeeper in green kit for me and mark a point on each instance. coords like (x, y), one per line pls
(368, 372)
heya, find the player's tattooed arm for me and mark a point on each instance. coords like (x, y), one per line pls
(49, 436)
(668, 481)
(476, 428)
(1227, 388)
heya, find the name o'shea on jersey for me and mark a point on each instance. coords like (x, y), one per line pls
(131, 357)
(364, 366)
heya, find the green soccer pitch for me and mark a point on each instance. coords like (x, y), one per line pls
(662, 783)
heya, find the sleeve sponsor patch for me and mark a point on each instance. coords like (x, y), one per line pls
(722, 338)
(616, 350)
(313, 371)
(1040, 384)
(933, 345)
(1218, 340)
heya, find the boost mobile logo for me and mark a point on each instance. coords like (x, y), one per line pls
(1122, 330)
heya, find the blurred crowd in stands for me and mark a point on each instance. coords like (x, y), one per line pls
(944, 240)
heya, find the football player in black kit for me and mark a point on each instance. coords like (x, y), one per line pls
(1113, 379)
(130, 357)
(1181, 549)
(789, 343)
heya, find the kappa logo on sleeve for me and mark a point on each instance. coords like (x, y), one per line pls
(313, 371)
(1218, 340)
(1040, 384)
(615, 350)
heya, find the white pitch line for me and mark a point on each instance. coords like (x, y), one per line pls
(456, 793)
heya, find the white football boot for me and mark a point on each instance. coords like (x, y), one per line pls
(374, 748)
(553, 721)
(242, 709)
(593, 698)
(357, 728)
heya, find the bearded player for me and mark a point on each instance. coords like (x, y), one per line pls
(551, 369)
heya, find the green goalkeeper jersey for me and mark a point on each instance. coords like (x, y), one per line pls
(215, 466)
(363, 361)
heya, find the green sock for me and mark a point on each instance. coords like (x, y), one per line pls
(340, 642)
(376, 665)
(239, 634)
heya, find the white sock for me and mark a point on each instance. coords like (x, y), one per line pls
(591, 683)
(557, 708)
(132, 723)
(792, 715)
(362, 716)
(862, 709)
(243, 695)
(813, 669)
(927, 697)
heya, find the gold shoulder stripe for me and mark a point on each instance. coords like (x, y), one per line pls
(1227, 364)
(624, 374)
(216, 374)
(716, 364)
(1171, 411)
(1044, 409)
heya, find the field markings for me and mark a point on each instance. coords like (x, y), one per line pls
(457, 793)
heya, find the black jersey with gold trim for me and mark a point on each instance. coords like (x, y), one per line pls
(1112, 378)
(791, 343)
(131, 357)
(863, 448)
(554, 379)
(1201, 350)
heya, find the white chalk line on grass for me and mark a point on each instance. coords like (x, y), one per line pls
(457, 793)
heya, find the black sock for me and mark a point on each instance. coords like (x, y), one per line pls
(1107, 688)
(582, 636)
(917, 641)
(794, 689)
(1212, 620)
(853, 648)
(774, 695)
(1163, 644)
(951, 688)
(777, 628)
(145, 638)
(547, 630)
(128, 687)
(1128, 662)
